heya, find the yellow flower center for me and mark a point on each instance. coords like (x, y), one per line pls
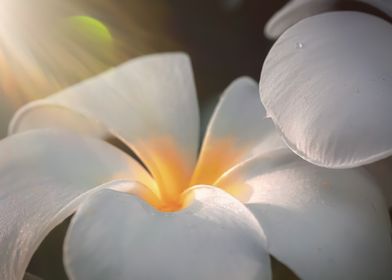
(173, 175)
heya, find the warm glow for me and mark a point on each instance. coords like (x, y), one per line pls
(215, 159)
(168, 166)
(170, 169)
(45, 48)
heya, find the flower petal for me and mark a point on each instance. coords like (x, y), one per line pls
(326, 84)
(149, 103)
(215, 237)
(293, 12)
(238, 129)
(43, 177)
(322, 223)
(296, 10)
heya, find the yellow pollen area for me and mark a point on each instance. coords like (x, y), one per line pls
(171, 171)
(174, 176)
(170, 207)
(215, 159)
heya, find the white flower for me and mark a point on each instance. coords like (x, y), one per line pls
(181, 219)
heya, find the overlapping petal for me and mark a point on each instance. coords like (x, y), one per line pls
(293, 12)
(233, 134)
(149, 103)
(296, 10)
(327, 83)
(43, 177)
(117, 236)
(322, 223)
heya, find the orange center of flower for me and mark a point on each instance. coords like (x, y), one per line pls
(173, 175)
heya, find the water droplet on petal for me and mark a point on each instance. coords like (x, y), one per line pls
(299, 45)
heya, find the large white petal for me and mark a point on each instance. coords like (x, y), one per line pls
(238, 129)
(117, 236)
(327, 83)
(296, 10)
(43, 177)
(149, 103)
(322, 223)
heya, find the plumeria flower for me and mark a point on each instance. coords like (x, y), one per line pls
(296, 10)
(179, 213)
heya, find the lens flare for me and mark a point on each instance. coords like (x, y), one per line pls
(90, 27)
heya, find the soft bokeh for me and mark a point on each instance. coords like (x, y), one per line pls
(46, 45)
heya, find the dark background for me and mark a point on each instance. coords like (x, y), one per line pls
(224, 42)
(223, 37)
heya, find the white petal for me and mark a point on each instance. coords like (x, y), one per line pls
(149, 103)
(322, 223)
(117, 236)
(43, 176)
(327, 85)
(238, 130)
(296, 10)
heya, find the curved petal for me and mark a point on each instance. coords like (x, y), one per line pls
(43, 176)
(234, 180)
(322, 223)
(215, 237)
(238, 130)
(293, 12)
(296, 10)
(332, 101)
(149, 103)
